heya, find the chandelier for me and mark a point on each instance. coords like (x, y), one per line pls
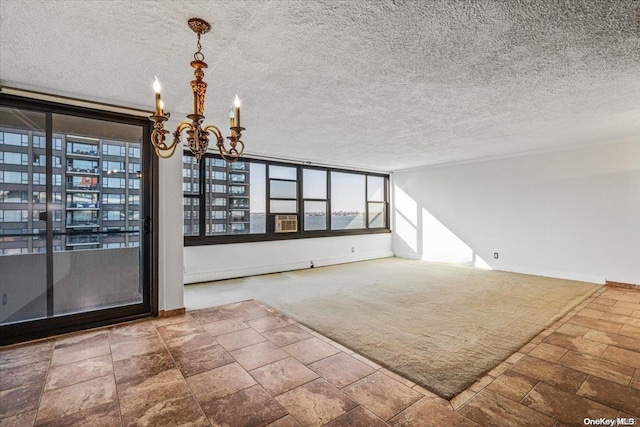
(197, 135)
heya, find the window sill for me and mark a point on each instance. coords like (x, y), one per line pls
(247, 238)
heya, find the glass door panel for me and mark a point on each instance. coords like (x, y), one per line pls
(23, 207)
(76, 242)
(97, 254)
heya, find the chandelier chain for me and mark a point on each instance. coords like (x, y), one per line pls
(199, 56)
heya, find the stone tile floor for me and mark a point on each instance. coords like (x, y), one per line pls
(245, 364)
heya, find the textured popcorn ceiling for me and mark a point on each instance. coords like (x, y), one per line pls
(369, 83)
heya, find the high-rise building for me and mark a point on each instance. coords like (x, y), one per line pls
(227, 196)
(95, 192)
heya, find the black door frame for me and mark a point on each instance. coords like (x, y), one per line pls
(40, 328)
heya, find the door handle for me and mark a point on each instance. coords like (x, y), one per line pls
(147, 225)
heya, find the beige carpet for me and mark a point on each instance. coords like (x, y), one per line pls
(441, 326)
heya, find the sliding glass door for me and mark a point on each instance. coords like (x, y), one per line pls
(76, 207)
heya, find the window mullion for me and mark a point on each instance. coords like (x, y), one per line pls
(299, 201)
(366, 203)
(202, 208)
(328, 200)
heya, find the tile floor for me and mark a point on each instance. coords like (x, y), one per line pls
(247, 365)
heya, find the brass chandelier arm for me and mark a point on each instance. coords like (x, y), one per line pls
(214, 130)
(232, 154)
(158, 137)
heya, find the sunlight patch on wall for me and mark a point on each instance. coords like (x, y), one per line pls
(441, 245)
(406, 206)
(407, 232)
(406, 218)
(480, 263)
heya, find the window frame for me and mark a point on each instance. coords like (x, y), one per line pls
(43, 327)
(269, 235)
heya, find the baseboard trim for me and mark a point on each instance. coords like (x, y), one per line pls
(171, 313)
(355, 258)
(551, 273)
(622, 285)
(234, 273)
(408, 255)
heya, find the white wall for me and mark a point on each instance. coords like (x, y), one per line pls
(570, 214)
(169, 227)
(215, 262)
(178, 264)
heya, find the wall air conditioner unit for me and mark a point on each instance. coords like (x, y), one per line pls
(286, 223)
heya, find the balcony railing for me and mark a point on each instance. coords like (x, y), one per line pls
(83, 170)
(81, 223)
(83, 152)
(83, 240)
(82, 187)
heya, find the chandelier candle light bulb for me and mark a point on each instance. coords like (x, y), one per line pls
(197, 133)
(156, 89)
(236, 110)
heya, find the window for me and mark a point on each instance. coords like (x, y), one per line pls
(348, 201)
(191, 216)
(11, 196)
(11, 215)
(39, 160)
(7, 177)
(41, 197)
(9, 158)
(113, 199)
(134, 168)
(134, 152)
(114, 182)
(113, 150)
(39, 141)
(87, 183)
(314, 193)
(81, 218)
(39, 178)
(112, 166)
(241, 200)
(283, 189)
(82, 149)
(82, 200)
(134, 199)
(113, 215)
(376, 206)
(82, 166)
(19, 139)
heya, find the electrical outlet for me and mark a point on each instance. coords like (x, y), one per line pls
(495, 255)
(4, 299)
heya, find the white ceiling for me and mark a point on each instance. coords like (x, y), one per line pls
(374, 84)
